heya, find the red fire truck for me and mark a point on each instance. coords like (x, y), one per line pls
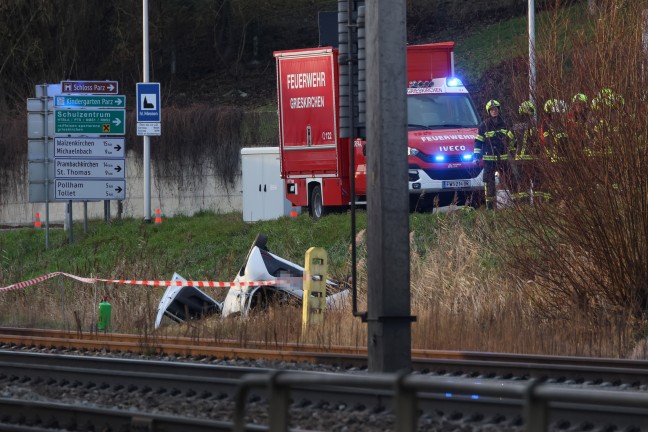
(442, 124)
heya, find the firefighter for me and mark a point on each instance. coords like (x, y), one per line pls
(579, 112)
(526, 158)
(493, 143)
(527, 112)
(606, 106)
(578, 124)
(607, 97)
(551, 128)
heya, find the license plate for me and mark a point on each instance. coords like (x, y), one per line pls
(455, 184)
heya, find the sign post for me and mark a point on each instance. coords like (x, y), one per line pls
(88, 164)
(73, 155)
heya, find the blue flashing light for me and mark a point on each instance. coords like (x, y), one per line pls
(454, 82)
(448, 395)
(439, 158)
(467, 157)
(474, 397)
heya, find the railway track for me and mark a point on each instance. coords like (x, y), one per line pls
(147, 393)
(559, 369)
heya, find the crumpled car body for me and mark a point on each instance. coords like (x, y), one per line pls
(181, 303)
(262, 265)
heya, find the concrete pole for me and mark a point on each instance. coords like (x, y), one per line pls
(46, 132)
(389, 318)
(644, 45)
(147, 139)
(532, 54)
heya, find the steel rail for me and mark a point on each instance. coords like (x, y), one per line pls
(152, 340)
(490, 397)
(609, 372)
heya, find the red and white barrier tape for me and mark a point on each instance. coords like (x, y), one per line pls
(25, 284)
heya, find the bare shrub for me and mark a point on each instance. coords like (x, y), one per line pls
(586, 247)
(13, 163)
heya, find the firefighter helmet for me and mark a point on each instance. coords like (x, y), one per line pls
(527, 108)
(607, 97)
(492, 104)
(555, 106)
(579, 98)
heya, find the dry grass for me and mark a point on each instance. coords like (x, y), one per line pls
(462, 297)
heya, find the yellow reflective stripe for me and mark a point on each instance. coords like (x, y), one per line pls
(494, 158)
(477, 150)
(519, 195)
(546, 195)
(479, 138)
(490, 134)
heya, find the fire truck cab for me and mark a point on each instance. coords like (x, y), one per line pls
(315, 161)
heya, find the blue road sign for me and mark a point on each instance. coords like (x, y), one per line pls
(148, 102)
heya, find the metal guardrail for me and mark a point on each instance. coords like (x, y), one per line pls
(535, 395)
(34, 415)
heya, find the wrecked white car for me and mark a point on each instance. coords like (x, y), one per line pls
(262, 265)
(181, 303)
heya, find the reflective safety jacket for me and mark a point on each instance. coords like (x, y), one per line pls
(555, 135)
(527, 148)
(494, 140)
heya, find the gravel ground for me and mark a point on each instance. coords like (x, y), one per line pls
(306, 415)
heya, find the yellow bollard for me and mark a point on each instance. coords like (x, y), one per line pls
(314, 300)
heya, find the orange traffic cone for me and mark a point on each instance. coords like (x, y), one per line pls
(158, 217)
(293, 213)
(37, 222)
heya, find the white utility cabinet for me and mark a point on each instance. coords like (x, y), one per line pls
(264, 195)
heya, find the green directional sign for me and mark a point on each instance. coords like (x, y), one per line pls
(89, 121)
(87, 101)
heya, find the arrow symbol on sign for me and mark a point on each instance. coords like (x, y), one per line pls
(118, 168)
(111, 87)
(117, 122)
(118, 189)
(118, 102)
(118, 147)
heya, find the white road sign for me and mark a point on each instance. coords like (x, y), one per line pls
(90, 147)
(149, 128)
(89, 168)
(89, 190)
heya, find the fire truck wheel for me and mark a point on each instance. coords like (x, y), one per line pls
(315, 207)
